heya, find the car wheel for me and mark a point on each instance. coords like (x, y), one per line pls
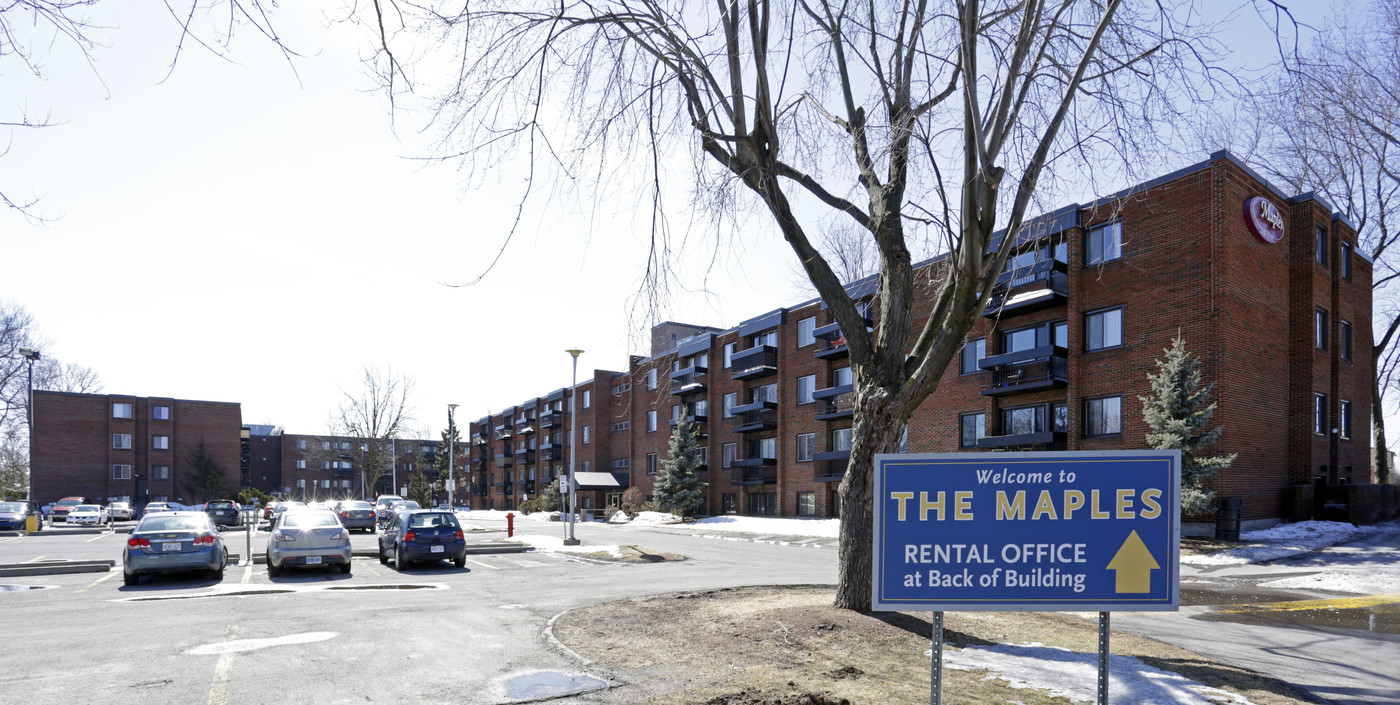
(345, 568)
(371, 528)
(272, 570)
(460, 562)
(131, 579)
(383, 557)
(399, 562)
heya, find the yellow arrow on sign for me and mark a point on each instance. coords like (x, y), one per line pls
(1134, 565)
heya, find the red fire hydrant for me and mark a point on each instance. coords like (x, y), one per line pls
(510, 524)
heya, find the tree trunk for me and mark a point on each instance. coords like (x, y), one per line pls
(1380, 458)
(876, 429)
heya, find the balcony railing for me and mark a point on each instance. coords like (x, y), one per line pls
(478, 439)
(551, 419)
(478, 490)
(504, 432)
(528, 486)
(342, 472)
(761, 475)
(525, 455)
(758, 416)
(756, 461)
(505, 460)
(758, 361)
(687, 381)
(831, 343)
(700, 421)
(1040, 440)
(1044, 367)
(508, 488)
(1041, 285)
(551, 451)
(830, 466)
(837, 402)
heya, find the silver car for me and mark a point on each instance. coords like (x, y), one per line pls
(174, 542)
(308, 538)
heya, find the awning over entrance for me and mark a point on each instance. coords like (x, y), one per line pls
(601, 480)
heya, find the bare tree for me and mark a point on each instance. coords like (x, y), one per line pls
(852, 254)
(936, 120)
(378, 415)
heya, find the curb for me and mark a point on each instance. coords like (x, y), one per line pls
(23, 570)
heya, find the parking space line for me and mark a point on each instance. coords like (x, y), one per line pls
(94, 583)
(12, 538)
(35, 559)
(248, 573)
(483, 565)
(218, 690)
(98, 537)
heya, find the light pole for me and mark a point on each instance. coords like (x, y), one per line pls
(451, 447)
(30, 354)
(572, 496)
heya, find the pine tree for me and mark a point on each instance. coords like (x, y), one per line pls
(677, 489)
(1179, 413)
(207, 480)
(419, 490)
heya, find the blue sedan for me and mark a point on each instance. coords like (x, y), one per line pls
(174, 542)
(423, 535)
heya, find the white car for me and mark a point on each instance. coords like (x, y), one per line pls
(120, 510)
(93, 514)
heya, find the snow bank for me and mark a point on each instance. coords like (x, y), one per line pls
(822, 528)
(1281, 541)
(655, 518)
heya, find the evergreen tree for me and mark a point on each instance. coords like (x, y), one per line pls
(549, 499)
(1179, 413)
(208, 477)
(419, 490)
(677, 489)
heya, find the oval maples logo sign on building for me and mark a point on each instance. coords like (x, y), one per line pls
(1264, 219)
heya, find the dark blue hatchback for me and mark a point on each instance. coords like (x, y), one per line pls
(423, 535)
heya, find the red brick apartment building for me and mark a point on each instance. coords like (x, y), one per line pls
(1267, 289)
(110, 447)
(312, 467)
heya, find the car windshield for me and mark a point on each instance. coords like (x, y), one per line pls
(355, 505)
(407, 505)
(11, 507)
(221, 505)
(87, 508)
(69, 502)
(173, 524)
(308, 520)
(423, 521)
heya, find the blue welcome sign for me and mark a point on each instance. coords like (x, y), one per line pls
(1071, 531)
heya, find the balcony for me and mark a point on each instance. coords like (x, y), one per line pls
(525, 429)
(756, 362)
(1041, 285)
(551, 419)
(479, 439)
(505, 459)
(529, 486)
(1045, 367)
(760, 475)
(758, 416)
(1039, 440)
(503, 433)
(757, 461)
(522, 421)
(551, 451)
(508, 488)
(831, 466)
(686, 381)
(342, 472)
(478, 490)
(525, 456)
(837, 402)
(699, 420)
(831, 343)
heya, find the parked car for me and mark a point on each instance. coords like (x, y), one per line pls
(386, 514)
(88, 514)
(174, 542)
(63, 506)
(308, 538)
(355, 514)
(14, 514)
(382, 503)
(120, 510)
(224, 512)
(423, 535)
(156, 508)
(267, 510)
(284, 506)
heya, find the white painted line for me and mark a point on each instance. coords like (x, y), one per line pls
(12, 538)
(218, 690)
(35, 559)
(98, 537)
(247, 573)
(94, 583)
(483, 565)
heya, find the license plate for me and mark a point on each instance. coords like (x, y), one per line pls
(313, 560)
(170, 546)
(435, 549)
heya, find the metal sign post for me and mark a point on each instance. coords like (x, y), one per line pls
(936, 677)
(1103, 658)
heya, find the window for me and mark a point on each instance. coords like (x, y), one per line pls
(618, 391)
(805, 386)
(160, 413)
(160, 442)
(1346, 339)
(121, 441)
(326, 445)
(325, 484)
(1346, 419)
(1320, 329)
(806, 504)
(1013, 341)
(971, 427)
(1023, 420)
(704, 452)
(585, 466)
(1345, 261)
(121, 410)
(770, 339)
(973, 351)
(767, 392)
(1320, 245)
(1103, 329)
(805, 327)
(1105, 243)
(325, 465)
(806, 447)
(651, 463)
(1103, 416)
(301, 464)
(675, 412)
(121, 472)
(651, 421)
(160, 472)
(586, 430)
(344, 445)
(1059, 417)
(841, 377)
(301, 484)
(729, 350)
(587, 398)
(651, 378)
(841, 439)
(731, 400)
(301, 445)
(622, 426)
(1060, 331)
(731, 452)
(1319, 413)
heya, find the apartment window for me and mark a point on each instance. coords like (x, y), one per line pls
(770, 339)
(325, 465)
(651, 463)
(121, 410)
(1346, 419)
(586, 429)
(651, 421)
(301, 445)
(1319, 413)
(121, 441)
(767, 392)
(971, 427)
(345, 445)
(1104, 243)
(805, 387)
(806, 447)
(731, 400)
(622, 426)
(731, 452)
(160, 472)
(121, 472)
(1060, 333)
(904, 440)
(704, 452)
(1103, 416)
(160, 442)
(651, 378)
(1320, 329)
(326, 445)
(1059, 417)
(1023, 420)
(301, 484)
(587, 398)
(806, 504)
(1103, 329)
(325, 484)
(973, 351)
(841, 377)
(841, 439)
(805, 327)
(1013, 341)
(301, 464)
(1345, 261)
(585, 466)
(160, 413)
(1346, 339)
(729, 350)
(1320, 245)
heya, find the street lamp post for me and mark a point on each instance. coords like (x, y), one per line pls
(451, 447)
(573, 449)
(30, 354)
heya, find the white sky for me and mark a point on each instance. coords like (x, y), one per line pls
(241, 232)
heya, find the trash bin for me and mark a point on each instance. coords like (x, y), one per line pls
(1227, 519)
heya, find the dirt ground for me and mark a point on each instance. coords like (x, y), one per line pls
(788, 646)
